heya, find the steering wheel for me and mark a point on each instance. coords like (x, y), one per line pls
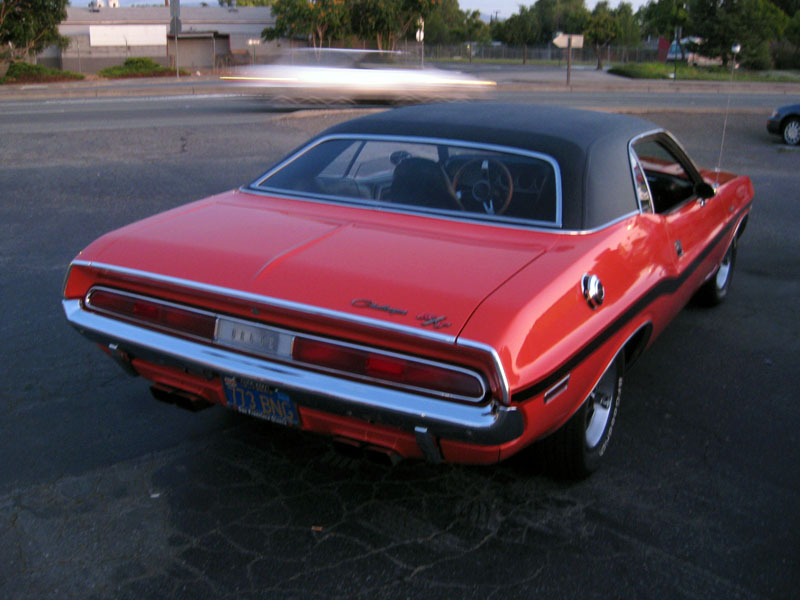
(489, 183)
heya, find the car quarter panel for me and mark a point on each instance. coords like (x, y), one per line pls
(555, 339)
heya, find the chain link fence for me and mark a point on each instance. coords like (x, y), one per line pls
(502, 53)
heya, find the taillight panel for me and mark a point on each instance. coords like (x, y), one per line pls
(367, 363)
(331, 356)
(155, 313)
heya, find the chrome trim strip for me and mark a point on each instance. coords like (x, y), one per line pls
(448, 217)
(256, 184)
(505, 394)
(692, 169)
(482, 425)
(634, 156)
(269, 301)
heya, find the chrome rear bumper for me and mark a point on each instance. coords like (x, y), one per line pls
(481, 425)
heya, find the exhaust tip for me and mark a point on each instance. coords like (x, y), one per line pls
(179, 398)
(356, 450)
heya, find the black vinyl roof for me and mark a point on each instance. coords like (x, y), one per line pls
(591, 148)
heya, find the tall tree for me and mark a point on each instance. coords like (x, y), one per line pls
(601, 30)
(444, 23)
(661, 17)
(292, 20)
(521, 29)
(329, 18)
(566, 16)
(792, 31)
(751, 23)
(317, 19)
(629, 34)
(387, 21)
(29, 26)
(474, 28)
(376, 20)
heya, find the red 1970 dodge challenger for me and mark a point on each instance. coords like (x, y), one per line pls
(451, 281)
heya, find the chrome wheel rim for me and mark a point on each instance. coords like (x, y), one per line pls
(724, 269)
(600, 404)
(791, 133)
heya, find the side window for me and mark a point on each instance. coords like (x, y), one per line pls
(668, 182)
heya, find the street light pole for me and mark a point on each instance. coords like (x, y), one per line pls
(175, 27)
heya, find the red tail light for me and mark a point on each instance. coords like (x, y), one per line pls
(363, 363)
(157, 314)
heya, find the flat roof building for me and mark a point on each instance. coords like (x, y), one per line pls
(211, 37)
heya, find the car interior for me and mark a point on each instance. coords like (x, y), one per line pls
(429, 176)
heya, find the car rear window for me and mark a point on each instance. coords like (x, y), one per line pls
(435, 176)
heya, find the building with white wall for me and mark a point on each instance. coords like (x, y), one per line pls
(211, 36)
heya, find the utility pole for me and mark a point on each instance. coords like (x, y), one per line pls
(175, 29)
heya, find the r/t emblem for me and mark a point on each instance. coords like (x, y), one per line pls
(429, 320)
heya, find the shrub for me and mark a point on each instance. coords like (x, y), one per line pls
(137, 67)
(688, 72)
(786, 56)
(759, 59)
(20, 72)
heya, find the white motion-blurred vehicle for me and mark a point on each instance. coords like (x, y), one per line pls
(338, 75)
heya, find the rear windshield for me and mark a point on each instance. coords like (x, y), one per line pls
(472, 181)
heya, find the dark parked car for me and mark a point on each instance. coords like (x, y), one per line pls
(785, 121)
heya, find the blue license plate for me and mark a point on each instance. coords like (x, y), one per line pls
(260, 400)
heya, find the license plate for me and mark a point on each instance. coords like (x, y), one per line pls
(260, 400)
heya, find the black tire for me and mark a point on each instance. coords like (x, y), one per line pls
(576, 450)
(715, 290)
(791, 131)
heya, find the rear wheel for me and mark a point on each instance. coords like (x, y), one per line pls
(714, 291)
(791, 131)
(575, 450)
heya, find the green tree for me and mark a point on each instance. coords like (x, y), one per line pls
(329, 19)
(792, 31)
(387, 21)
(375, 20)
(751, 23)
(29, 26)
(317, 19)
(661, 17)
(448, 24)
(474, 28)
(789, 7)
(521, 29)
(566, 16)
(601, 30)
(629, 34)
(444, 23)
(292, 20)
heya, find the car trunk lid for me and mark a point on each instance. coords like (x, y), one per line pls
(392, 267)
